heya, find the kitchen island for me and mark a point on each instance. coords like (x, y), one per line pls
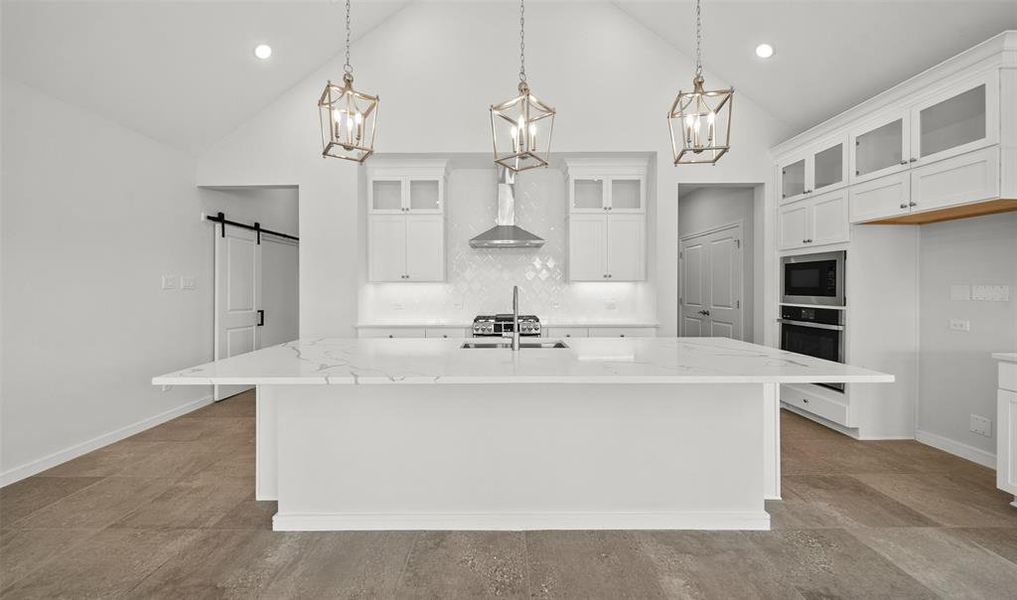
(606, 433)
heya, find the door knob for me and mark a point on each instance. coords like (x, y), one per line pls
(903, 205)
(912, 204)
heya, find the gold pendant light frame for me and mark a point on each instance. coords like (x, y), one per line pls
(700, 120)
(526, 124)
(348, 118)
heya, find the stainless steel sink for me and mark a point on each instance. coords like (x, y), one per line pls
(545, 345)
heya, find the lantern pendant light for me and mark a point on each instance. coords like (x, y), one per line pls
(348, 118)
(700, 120)
(521, 128)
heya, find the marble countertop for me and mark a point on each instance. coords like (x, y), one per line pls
(544, 323)
(1006, 356)
(586, 360)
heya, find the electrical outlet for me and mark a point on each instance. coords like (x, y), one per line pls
(960, 325)
(981, 425)
(169, 282)
(187, 283)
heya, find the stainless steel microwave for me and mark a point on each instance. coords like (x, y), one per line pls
(813, 278)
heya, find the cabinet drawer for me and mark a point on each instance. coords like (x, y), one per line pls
(623, 332)
(1008, 376)
(818, 405)
(964, 179)
(566, 332)
(392, 332)
(445, 332)
(880, 198)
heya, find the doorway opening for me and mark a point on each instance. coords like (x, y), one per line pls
(720, 233)
(255, 270)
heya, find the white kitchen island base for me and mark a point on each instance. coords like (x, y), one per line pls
(598, 433)
(514, 456)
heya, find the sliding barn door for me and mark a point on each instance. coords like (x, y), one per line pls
(237, 297)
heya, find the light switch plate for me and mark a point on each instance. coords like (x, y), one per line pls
(981, 425)
(169, 282)
(960, 325)
(991, 293)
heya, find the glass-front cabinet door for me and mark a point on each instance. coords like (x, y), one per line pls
(386, 195)
(792, 179)
(589, 194)
(880, 147)
(957, 119)
(829, 166)
(424, 195)
(627, 195)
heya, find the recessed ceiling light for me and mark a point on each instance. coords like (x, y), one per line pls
(764, 51)
(263, 51)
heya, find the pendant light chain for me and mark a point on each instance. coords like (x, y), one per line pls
(348, 68)
(522, 41)
(699, 40)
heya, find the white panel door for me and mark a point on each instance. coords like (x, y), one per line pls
(711, 284)
(386, 254)
(237, 297)
(279, 290)
(588, 247)
(425, 248)
(829, 218)
(625, 247)
(793, 223)
(724, 262)
(693, 291)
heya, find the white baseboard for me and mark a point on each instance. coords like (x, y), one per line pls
(741, 520)
(976, 455)
(852, 432)
(47, 462)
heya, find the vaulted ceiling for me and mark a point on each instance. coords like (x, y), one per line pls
(183, 72)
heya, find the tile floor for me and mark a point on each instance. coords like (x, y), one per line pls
(170, 513)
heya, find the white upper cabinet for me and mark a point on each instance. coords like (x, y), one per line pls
(941, 145)
(880, 145)
(406, 221)
(819, 168)
(607, 220)
(959, 118)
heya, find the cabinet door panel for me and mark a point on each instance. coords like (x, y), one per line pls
(626, 248)
(425, 248)
(880, 198)
(793, 225)
(880, 147)
(958, 119)
(962, 179)
(829, 167)
(626, 195)
(387, 247)
(588, 247)
(829, 218)
(1006, 441)
(386, 195)
(589, 195)
(792, 179)
(424, 196)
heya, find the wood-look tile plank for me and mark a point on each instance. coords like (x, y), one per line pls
(466, 564)
(24, 497)
(711, 564)
(844, 501)
(24, 550)
(189, 505)
(950, 565)
(831, 563)
(108, 565)
(590, 565)
(943, 500)
(96, 506)
(1001, 541)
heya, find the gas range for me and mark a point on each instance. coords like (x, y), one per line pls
(497, 325)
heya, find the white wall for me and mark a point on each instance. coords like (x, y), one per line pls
(705, 208)
(583, 58)
(957, 377)
(479, 281)
(274, 208)
(93, 215)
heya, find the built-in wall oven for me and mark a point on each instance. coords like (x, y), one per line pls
(813, 279)
(814, 331)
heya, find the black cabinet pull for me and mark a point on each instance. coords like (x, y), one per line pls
(261, 318)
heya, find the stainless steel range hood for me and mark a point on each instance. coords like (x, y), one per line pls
(506, 234)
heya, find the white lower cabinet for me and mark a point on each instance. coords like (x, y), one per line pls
(623, 332)
(566, 332)
(447, 332)
(1006, 429)
(814, 221)
(819, 401)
